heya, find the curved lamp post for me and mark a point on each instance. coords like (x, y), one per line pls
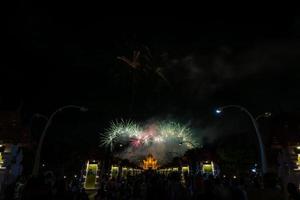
(36, 165)
(266, 114)
(258, 135)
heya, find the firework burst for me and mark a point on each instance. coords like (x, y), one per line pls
(118, 131)
(157, 138)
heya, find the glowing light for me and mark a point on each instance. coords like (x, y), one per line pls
(137, 140)
(114, 171)
(75, 176)
(234, 177)
(218, 111)
(186, 169)
(298, 161)
(90, 175)
(65, 177)
(150, 163)
(298, 147)
(208, 168)
(118, 131)
(124, 172)
(164, 131)
(1, 160)
(268, 114)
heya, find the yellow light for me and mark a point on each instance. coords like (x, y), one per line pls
(114, 171)
(150, 163)
(124, 171)
(185, 169)
(207, 168)
(1, 160)
(90, 176)
(298, 161)
(298, 147)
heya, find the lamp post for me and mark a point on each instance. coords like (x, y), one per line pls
(266, 114)
(36, 165)
(258, 135)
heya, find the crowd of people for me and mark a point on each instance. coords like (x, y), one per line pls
(175, 186)
(151, 185)
(46, 187)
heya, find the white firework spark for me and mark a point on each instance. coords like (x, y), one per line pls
(119, 130)
(156, 138)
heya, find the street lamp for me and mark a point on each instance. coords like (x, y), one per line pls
(266, 114)
(218, 111)
(36, 165)
(258, 135)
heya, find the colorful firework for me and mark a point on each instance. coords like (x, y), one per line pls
(157, 138)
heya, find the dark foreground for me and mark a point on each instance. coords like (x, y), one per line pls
(152, 186)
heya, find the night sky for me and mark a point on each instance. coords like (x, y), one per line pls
(54, 57)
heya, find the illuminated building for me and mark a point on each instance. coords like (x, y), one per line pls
(130, 171)
(114, 172)
(208, 168)
(137, 171)
(185, 169)
(295, 155)
(298, 161)
(14, 139)
(1, 159)
(284, 145)
(124, 172)
(91, 176)
(150, 163)
(175, 169)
